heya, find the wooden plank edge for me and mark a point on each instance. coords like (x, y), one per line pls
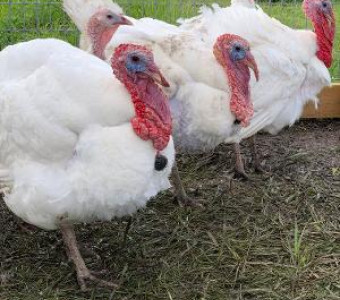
(329, 105)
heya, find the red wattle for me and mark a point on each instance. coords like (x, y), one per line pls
(153, 117)
(324, 28)
(238, 75)
(240, 104)
(325, 39)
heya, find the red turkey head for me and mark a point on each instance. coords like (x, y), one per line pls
(233, 54)
(101, 27)
(134, 66)
(137, 63)
(321, 14)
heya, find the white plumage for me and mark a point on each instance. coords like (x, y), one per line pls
(290, 72)
(110, 174)
(199, 99)
(202, 108)
(68, 151)
(65, 136)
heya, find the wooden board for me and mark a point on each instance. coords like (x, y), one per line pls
(329, 106)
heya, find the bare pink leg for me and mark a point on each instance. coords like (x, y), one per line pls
(180, 192)
(83, 273)
(239, 165)
(256, 157)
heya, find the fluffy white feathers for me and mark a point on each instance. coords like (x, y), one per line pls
(110, 174)
(199, 103)
(66, 139)
(290, 73)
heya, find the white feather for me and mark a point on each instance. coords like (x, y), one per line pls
(199, 98)
(110, 175)
(244, 3)
(290, 73)
(66, 142)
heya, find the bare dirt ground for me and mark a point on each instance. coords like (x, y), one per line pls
(274, 237)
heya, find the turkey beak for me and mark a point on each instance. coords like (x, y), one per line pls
(155, 74)
(251, 63)
(124, 21)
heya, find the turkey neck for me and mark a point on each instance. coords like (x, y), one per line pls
(238, 76)
(153, 118)
(100, 37)
(324, 28)
(324, 39)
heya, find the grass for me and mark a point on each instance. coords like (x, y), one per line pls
(275, 237)
(37, 18)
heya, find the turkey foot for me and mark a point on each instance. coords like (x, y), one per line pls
(256, 157)
(83, 273)
(180, 193)
(258, 168)
(239, 165)
(26, 227)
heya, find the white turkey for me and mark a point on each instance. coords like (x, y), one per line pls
(293, 63)
(209, 92)
(77, 143)
(102, 22)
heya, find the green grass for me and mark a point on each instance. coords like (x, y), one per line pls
(36, 18)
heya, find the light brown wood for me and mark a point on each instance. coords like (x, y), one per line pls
(329, 106)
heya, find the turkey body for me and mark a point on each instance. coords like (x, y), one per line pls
(66, 140)
(203, 106)
(290, 72)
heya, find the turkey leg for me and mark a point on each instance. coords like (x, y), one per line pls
(256, 157)
(239, 165)
(83, 273)
(180, 192)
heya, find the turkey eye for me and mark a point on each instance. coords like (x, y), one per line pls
(135, 59)
(238, 48)
(110, 17)
(324, 4)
